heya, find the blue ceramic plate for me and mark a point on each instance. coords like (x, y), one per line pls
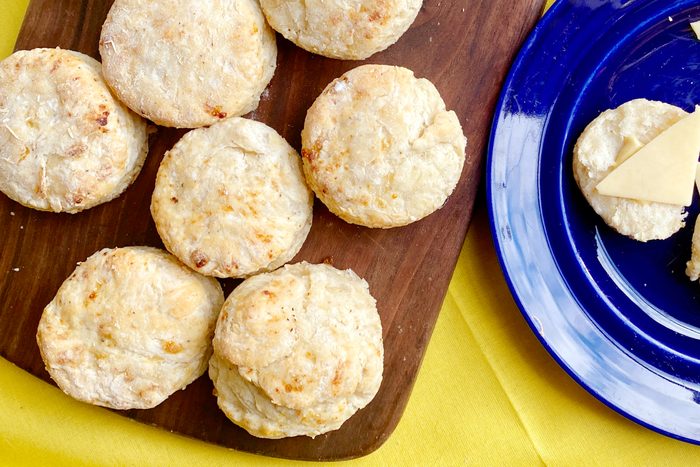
(619, 315)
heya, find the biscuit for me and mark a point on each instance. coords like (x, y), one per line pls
(297, 351)
(187, 64)
(66, 144)
(595, 157)
(379, 148)
(230, 200)
(693, 266)
(349, 30)
(128, 328)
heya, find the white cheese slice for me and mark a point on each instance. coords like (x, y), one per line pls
(630, 146)
(663, 171)
(696, 28)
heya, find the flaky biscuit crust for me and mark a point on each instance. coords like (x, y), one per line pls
(380, 149)
(345, 29)
(595, 154)
(66, 144)
(692, 269)
(297, 351)
(128, 328)
(230, 200)
(187, 64)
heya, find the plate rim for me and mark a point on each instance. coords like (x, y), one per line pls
(530, 46)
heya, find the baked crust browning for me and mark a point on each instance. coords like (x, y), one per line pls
(348, 29)
(380, 149)
(66, 144)
(187, 64)
(297, 351)
(231, 201)
(128, 328)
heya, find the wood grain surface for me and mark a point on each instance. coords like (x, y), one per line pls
(464, 47)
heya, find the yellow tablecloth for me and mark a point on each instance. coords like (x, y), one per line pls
(487, 393)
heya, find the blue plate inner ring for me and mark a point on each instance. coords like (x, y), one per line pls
(587, 251)
(527, 116)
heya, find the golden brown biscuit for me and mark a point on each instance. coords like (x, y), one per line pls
(187, 64)
(66, 144)
(297, 351)
(348, 29)
(230, 200)
(380, 149)
(128, 328)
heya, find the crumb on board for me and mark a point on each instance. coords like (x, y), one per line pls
(12, 213)
(15, 269)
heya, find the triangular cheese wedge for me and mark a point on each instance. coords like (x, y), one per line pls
(630, 146)
(696, 28)
(663, 171)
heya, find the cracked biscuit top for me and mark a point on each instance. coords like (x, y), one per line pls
(129, 327)
(66, 144)
(230, 200)
(297, 351)
(185, 63)
(380, 149)
(347, 29)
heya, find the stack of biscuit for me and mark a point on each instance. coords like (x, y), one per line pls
(297, 349)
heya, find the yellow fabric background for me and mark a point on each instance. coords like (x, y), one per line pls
(487, 393)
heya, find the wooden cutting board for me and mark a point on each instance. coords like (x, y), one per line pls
(464, 47)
